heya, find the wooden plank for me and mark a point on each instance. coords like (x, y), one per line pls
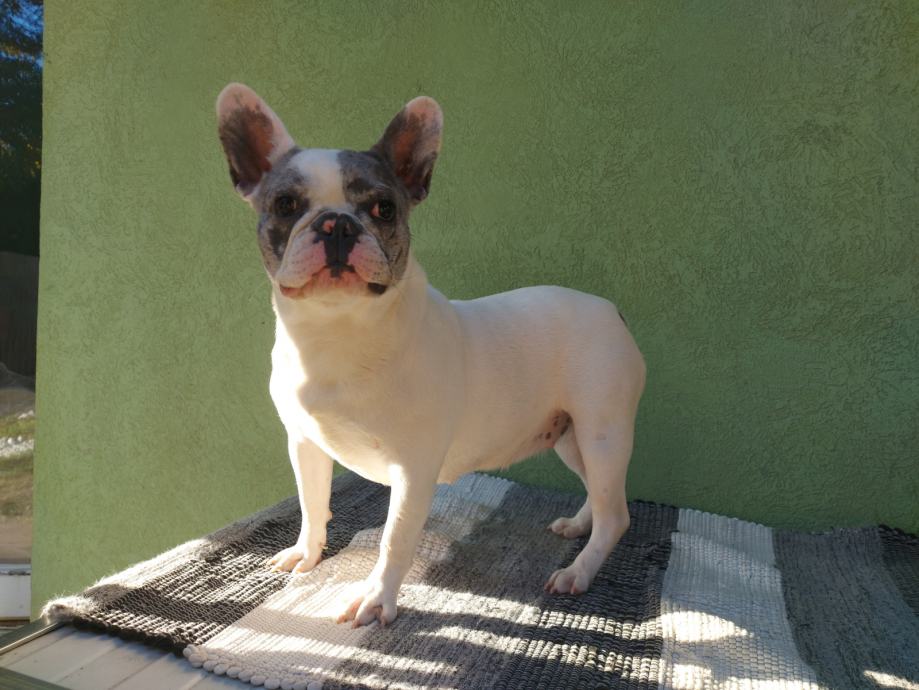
(26, 633)
(32, 646)
(78, 660)
(11, 679)
(168, 672)
(65, 656)
(107, 671)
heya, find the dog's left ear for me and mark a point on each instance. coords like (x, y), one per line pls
(253, 137)
(411, 143)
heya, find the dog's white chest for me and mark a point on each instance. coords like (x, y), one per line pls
(323, 414)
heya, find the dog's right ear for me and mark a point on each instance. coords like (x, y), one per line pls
(411, 144)
(253, 137)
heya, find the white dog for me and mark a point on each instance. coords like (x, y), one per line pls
(374, 368)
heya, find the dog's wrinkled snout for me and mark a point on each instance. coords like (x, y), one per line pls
(338, 232)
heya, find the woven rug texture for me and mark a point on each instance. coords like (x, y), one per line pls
(686, 600)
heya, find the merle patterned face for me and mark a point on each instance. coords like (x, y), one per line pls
(307, 185)
(380, 201)
(329, 218)
(282, 202)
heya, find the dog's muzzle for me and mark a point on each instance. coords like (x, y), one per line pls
(338, 232)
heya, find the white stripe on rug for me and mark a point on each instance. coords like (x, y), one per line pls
(723, 611)
(292, 640)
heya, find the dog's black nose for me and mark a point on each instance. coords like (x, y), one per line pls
(338, 231)
(338, 224)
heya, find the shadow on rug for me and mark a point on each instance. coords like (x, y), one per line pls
(687, 600)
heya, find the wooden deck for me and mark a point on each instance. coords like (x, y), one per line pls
(69, 658)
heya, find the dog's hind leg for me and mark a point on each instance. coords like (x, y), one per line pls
(605, 448)
(579, 525)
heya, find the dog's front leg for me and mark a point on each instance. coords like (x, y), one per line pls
(409, 506)
(313, 471)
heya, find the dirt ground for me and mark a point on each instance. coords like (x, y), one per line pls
(15, 400)
(16, 475)
(16, 540)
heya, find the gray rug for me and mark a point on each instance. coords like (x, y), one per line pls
(687, 600)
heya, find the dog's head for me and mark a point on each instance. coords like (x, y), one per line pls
(329, 220)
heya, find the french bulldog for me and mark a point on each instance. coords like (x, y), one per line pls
(374, 368)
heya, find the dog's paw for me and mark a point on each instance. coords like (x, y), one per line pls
(372, 603)
(570, 580)
(296, 559)
(569, 528)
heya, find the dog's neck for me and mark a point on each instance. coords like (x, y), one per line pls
(330, 332)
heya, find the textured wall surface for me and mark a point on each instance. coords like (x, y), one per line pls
(742, 179)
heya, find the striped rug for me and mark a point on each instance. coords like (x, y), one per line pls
(687, 600)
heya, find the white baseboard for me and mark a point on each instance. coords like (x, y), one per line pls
(15, 590)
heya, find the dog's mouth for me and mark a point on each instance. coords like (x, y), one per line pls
(333, 277)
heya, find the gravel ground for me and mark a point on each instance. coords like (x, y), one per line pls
(17, 405)
(15, 446)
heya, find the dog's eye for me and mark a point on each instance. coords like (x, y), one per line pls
(384, 209)
(286, 205)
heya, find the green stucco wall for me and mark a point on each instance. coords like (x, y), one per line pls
(741, 178)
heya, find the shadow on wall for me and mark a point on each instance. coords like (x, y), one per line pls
(18, 311)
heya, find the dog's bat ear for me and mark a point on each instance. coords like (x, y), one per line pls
(411, 143)
(253, 137)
